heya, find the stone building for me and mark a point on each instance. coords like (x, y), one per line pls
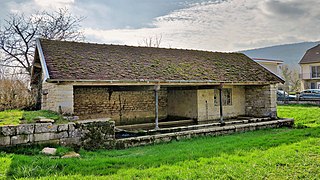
(140, 84)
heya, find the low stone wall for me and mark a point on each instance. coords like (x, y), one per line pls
(215, 131)
(90, 134)
(100, 134)
(313, 102)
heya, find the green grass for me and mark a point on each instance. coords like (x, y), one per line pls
(10, 117)
(15, 117)
(29, 116)
(265, 154)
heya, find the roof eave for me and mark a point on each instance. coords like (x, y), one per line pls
(310, 62)
(42, 60)
(164, 82)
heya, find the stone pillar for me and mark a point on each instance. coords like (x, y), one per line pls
(156, 90)
(261, 101)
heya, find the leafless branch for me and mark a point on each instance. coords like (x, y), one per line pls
(154, 41)
(18, 33)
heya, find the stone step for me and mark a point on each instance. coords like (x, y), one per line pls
(152, 125)
(177, 126)
(213, 131)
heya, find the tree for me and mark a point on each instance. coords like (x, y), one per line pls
(295, 81)
(286, 74)
(292, 80)
(151, 41)
(18, 34)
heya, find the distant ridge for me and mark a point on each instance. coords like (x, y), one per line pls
(290, 54)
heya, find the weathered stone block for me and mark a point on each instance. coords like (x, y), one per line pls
(4, 141)
(60, 135)
(8, 130)
(63, 127)
(70, 141)
(20, 139)
(45, 128)
(25, 129)
(43, 136)
(75, 133)
(71, 126)
(49, 151)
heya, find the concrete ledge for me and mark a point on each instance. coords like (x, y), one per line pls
(213, 131)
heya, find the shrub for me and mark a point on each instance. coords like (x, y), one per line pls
(14, 94)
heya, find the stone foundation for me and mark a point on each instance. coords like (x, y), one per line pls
(100, 134)
(214, 131)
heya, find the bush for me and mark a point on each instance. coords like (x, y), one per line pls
(14, 94)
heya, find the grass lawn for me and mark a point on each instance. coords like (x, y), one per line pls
(14, 117)
(265, 154)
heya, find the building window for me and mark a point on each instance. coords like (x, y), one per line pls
(313, 85)
(226, 97)
(315, 71)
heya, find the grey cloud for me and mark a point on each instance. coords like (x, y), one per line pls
(290, 9)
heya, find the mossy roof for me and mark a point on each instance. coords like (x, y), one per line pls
(86, 61)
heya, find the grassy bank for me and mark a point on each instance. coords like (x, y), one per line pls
(265, 154)
(15, 117)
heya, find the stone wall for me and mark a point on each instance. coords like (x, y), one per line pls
(182, 103)
(261, 101)
(124, 107)
(57, 97)
(100, 133)
(208, 111)
(91, 134)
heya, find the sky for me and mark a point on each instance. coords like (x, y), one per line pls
(214, 25)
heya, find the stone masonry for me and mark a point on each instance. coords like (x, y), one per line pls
(261, 101)
(88, 134)
(57, 98)
(131, 107)
(100, 133)
(124, 107)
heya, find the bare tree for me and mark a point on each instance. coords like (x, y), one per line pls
(292, 80)
(286, 74)
(154, 41)
(295, 81)
(18, 34)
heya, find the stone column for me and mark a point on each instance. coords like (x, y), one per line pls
(156, 90)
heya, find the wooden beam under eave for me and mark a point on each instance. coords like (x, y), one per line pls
(37, 65)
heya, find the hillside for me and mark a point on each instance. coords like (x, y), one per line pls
(291, 54)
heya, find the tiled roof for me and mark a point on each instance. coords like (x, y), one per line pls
(311, 56)
(86, 61)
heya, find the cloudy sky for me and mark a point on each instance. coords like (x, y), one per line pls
(216, 25)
